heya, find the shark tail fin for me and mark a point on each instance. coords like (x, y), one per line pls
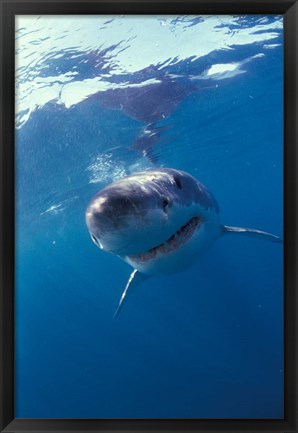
(134, 280)
(252, 232)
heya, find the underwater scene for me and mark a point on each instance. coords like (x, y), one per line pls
(149, 216)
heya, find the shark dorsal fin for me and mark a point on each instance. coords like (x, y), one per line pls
(134, 280)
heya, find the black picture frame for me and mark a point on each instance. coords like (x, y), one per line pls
(9, 8)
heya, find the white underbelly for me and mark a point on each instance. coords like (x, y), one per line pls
(179, 259)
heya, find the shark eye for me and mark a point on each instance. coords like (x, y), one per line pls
(178, 182)
(94, 240)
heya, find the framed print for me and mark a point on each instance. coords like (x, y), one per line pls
(148, 216)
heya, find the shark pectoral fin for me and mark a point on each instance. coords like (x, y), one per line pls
(135, 279)
(252, 232)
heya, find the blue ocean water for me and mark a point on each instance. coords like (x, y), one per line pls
(101, 97)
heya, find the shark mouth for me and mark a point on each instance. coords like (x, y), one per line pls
(183, 235)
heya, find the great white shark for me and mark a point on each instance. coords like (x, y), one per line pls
(159, 221)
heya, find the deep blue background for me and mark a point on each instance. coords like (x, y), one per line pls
(204, 343)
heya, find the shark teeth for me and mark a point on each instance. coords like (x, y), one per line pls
(173, 243)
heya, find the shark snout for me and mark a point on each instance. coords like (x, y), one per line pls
(126, 222)
(105, 214)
